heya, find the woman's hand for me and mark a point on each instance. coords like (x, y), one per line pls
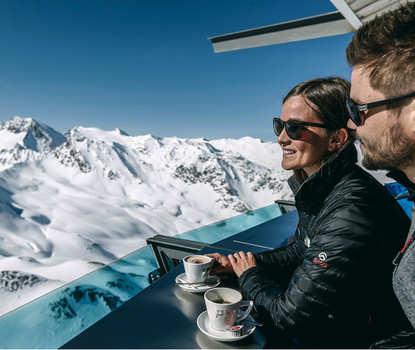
(221, 265)
(241, 262)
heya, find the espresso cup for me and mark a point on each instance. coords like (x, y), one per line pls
(223, 304)
(197, 267)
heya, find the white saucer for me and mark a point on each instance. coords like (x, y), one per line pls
(204, 326)
(214, 281)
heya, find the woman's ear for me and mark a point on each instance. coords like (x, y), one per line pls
(338, 138)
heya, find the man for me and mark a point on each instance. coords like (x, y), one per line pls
(382, 111)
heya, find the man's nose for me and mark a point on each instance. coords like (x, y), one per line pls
(351, 125)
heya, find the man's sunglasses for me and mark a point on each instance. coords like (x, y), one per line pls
(356, 110)
(293, 128)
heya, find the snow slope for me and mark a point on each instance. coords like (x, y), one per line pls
(73, 202)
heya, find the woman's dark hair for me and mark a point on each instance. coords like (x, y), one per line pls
(327, 98)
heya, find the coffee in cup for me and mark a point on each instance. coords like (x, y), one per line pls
(194, 259)
(223, 305)
(197, 267)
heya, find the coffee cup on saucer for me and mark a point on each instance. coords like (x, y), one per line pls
(223, 304)
(197, 267)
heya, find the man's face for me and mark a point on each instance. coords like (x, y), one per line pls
(386, 142)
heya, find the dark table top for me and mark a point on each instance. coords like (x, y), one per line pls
(161, 316)
(266, 236)
(164, 315)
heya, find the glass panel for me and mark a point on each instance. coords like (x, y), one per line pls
(55, 318)
(226, 228)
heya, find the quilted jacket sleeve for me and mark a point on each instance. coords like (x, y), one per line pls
(348, 239)
(401, 340)
(281, 263)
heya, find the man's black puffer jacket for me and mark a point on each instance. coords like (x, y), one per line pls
(331, 286)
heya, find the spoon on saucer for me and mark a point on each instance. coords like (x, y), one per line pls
(206, 283)
(253, 322)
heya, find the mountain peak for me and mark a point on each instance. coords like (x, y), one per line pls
(17, 124)
(121, 132)
(33, 135)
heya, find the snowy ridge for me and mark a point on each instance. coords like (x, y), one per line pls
(25, 139)
(70, 203)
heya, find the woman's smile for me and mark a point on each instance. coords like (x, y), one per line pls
(288, 152)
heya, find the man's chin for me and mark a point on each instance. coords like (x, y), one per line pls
(369, 164)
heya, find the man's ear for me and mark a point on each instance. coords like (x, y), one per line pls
(338, 138)
(409, 113)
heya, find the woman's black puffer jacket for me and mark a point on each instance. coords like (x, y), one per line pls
(331, 286)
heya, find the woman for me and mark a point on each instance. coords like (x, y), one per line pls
(331, 286)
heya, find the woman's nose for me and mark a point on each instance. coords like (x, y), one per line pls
(283, 137)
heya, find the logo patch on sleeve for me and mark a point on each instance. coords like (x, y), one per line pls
(320, 260)
(322, 256)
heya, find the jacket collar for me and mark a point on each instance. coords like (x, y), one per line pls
(321, 183)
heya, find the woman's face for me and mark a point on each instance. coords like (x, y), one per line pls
(307, 152)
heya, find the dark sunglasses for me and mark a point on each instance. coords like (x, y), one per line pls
(356, 110)
(293, 128)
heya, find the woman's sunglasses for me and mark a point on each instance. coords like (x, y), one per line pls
(293, 128)
(356, 111)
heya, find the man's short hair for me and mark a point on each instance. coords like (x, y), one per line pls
(385, 48)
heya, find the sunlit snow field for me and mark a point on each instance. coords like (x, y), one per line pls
(75, 202)
(72, 203)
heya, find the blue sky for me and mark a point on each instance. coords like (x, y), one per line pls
(146, 66)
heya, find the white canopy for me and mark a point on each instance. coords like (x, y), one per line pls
(349, 17)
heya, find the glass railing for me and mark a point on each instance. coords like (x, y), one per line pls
(226, 228)
(53, 319)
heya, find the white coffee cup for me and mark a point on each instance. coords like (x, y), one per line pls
(197, 267)
(223, 304)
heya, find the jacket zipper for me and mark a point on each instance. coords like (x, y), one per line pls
(399, 256)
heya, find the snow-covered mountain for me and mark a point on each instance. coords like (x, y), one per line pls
(71, 202)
